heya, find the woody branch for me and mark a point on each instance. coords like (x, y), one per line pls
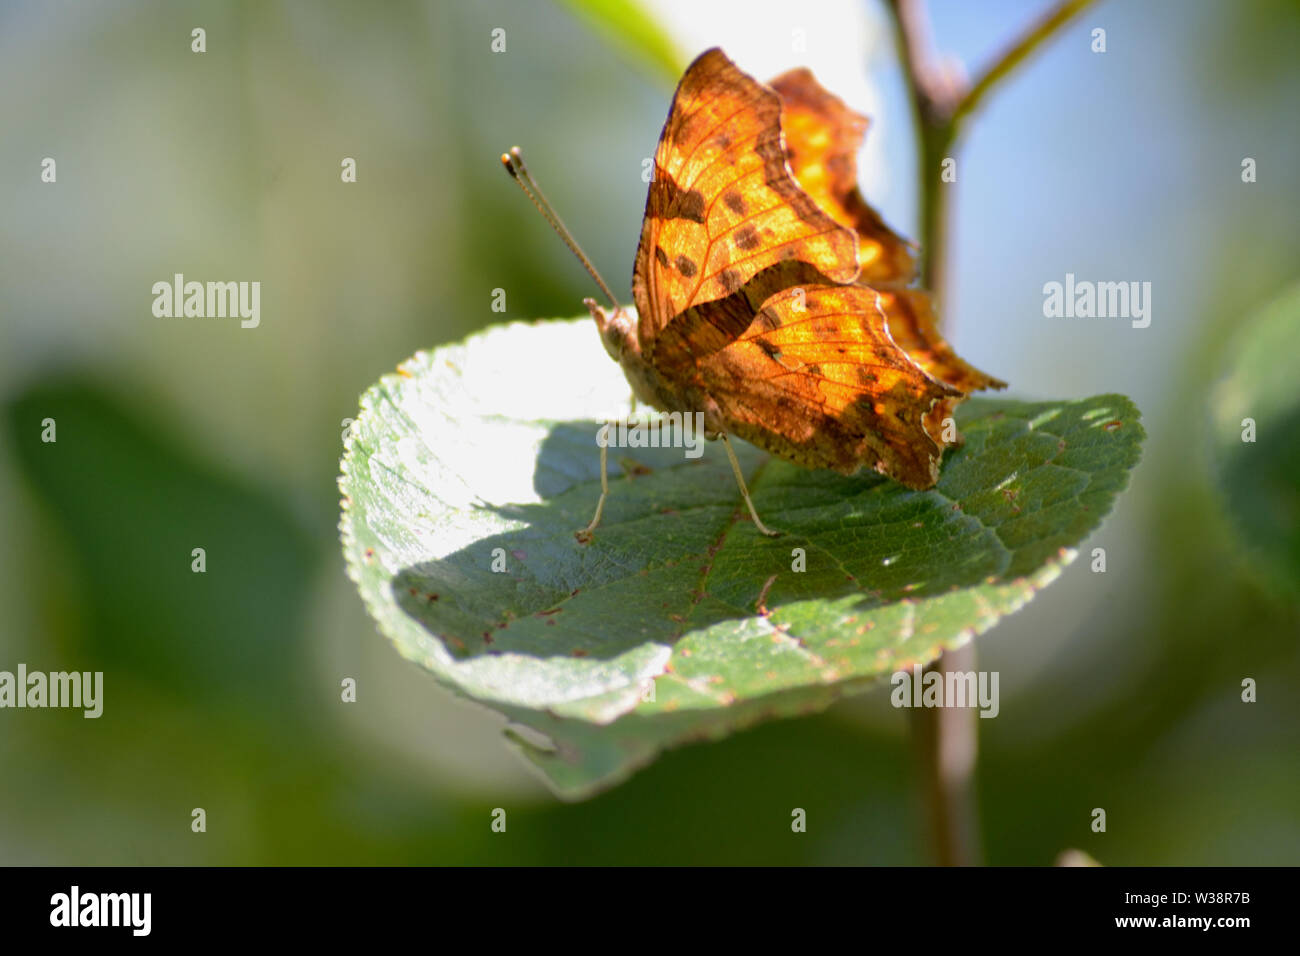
(942, 99)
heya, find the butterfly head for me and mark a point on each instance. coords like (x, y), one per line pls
(617, 329)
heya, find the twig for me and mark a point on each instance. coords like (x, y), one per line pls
(947, 744)
(946, 738)
(941, 100)
(1031, 40)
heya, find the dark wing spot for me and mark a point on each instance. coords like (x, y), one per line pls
(731, 280)
(770, 350)
(667, 201)
(746, 238)
(661, 256)
(686, 267)
(734, 202)
(813, 369)
(768, 319)
(690, 206)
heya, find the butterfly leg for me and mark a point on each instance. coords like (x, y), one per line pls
(585, 534)
(740, 480)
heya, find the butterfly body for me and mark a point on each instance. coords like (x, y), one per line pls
(618, 332)
(617, 328)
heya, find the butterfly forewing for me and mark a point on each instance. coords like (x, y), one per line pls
(723, 205)
(822, 138)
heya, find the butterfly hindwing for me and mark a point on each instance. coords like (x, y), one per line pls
(818, 381)
(913, 328)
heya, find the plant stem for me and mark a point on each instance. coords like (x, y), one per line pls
(1029, 41)
(941, 102)
(947, 743)
(946, 738)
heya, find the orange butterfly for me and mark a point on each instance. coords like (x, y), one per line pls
(769, 296)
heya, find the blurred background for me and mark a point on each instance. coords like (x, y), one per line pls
(1119, 690)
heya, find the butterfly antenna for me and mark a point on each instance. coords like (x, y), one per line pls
(513, 161)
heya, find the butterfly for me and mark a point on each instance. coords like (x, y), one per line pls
(770, 297)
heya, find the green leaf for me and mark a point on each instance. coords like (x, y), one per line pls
(679, 621)
(631, 27)
(1256, 415)
(133, 503)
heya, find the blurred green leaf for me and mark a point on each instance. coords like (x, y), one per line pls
(1256, 414)
(630, 26)
(134, 504)
(680, 621)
